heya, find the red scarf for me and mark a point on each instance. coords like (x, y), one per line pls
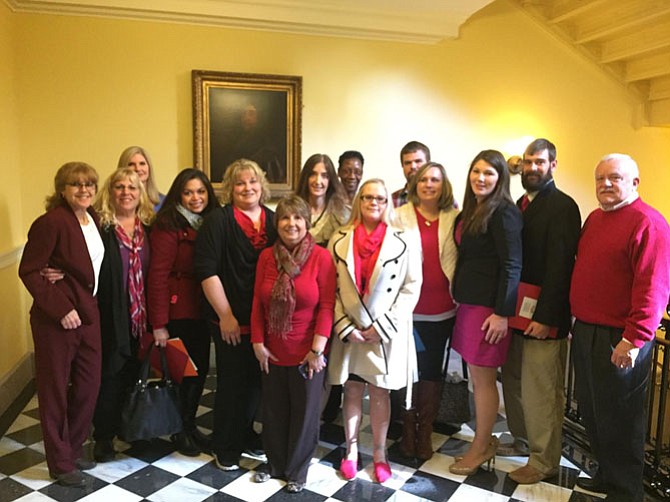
(258, 238)
(282, 298)
(366, 252)
(136, 301)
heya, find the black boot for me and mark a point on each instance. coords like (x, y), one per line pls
(190, 392)
(104, 451)
(184, 444)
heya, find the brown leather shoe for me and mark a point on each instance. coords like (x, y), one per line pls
(529, 475)
(70, 479)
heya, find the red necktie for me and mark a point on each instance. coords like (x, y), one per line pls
(524, 202)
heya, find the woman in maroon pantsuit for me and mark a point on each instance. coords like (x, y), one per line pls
(64, 318)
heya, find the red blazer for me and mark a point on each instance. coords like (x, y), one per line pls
(173, 291)
(56, 239)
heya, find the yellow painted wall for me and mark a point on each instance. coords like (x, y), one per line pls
(14, 336)
(90, 86)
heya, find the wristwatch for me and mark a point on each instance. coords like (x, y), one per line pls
(317, 353)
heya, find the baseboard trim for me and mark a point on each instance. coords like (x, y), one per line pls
(15, 383)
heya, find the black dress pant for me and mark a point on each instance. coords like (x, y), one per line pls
(612, 406)
(291, 412)
(194, 334)
(238, 391)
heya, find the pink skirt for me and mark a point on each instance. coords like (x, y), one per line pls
(468, 338)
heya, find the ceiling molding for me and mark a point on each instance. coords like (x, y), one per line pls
(419, 21)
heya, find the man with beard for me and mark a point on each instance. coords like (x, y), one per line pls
(350, 172)
(412, 156)
(534, 372)
(619, 289)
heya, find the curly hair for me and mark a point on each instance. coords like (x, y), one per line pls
(105, 207)
(69, 172)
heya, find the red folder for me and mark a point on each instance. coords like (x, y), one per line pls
(526, 301)
(179, 362)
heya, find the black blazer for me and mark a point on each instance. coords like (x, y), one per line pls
(551, 227)
(489, 264)
(117, 346)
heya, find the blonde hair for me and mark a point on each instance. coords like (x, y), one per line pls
(69, 173)
(150, 185)
(230, 177)
(388, 216)
(105, 208)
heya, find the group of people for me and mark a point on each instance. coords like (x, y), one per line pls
(351, 286)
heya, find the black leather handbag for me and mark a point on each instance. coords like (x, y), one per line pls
(152, 408)
(455, 402)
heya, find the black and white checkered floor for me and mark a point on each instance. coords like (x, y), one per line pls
(155, 472)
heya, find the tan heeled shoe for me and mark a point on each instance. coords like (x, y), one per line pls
(488, 458)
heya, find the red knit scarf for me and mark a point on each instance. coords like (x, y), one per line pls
(136, 301)
(282, 298)
(366, 252)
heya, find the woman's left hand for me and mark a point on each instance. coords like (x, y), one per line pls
(315, 363)
(370, 335)
(263, 355)
(495, 327)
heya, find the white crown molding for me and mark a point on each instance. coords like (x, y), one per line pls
(418, 21)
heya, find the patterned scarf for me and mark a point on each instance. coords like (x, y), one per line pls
(282, 298)
(136, 301)
(366, 252)
(193, 219)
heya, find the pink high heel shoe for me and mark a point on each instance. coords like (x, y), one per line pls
(382, 471)
(348, 469)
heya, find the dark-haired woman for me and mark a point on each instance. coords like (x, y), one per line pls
(488, 233)
(64, 318)
(174, 293)
(320, 187)
(291, 321)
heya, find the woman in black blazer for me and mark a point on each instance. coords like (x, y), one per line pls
(488, 233)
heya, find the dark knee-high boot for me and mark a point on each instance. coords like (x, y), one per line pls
(428, 402)
(408, 442)
(190, 392)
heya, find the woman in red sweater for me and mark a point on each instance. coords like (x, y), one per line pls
(174, 293)
(291, 319)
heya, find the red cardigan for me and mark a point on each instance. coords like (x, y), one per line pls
(315, 302)
(173, 291)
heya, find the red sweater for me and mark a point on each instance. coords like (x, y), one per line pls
(622, 273)
(315, 301)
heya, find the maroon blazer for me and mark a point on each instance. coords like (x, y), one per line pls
(173, 291)
(56, 239)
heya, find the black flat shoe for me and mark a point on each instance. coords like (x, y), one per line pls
(104, 451)
(185, 445)
(202, 441)
(592, 485)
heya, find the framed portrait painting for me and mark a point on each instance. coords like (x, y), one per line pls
(252, 116)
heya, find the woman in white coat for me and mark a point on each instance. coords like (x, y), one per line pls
(378, 284)
(428, 218)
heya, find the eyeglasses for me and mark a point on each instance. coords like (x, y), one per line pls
(377, 198)
(81, 184)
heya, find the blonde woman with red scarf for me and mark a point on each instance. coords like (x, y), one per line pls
(291, 320)
(378, 283)
(125, 211)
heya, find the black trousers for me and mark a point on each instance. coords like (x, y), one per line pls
(238, 392)
(612, 405)
(291, 412)
(114, 388)
(194, 334)
(430, 338)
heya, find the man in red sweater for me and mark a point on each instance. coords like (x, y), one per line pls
(620, 287)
